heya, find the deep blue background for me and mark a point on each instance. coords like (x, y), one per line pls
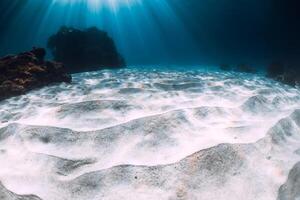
(179, 32)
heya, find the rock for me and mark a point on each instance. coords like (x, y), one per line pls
(26, 71)
(84, 50)
(274, 70)
(286, 74)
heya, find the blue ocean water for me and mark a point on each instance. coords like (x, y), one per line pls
(164, 32)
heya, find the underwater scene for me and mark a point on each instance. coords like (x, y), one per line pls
(149, 100)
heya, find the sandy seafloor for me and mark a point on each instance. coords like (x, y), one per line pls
(152, 134)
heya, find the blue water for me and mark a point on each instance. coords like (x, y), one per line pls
(163, 31)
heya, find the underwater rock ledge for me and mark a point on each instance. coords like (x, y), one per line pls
(28, 70)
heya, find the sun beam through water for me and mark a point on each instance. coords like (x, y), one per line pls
(96, 5)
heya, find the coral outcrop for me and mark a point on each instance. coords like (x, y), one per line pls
(84, 50)
(26, 71)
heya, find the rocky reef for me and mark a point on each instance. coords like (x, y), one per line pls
(84, 50)
(286, 74)
(28, 70)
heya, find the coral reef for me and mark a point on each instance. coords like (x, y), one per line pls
(26, 71)
(84, 50)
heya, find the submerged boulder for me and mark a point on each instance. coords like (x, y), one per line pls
(84, 50)
(26, 71)
(275, 70)
(286, 74)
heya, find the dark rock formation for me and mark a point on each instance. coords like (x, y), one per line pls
(86, 50)
(275, 70)
(286, 74)
(26, 71)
